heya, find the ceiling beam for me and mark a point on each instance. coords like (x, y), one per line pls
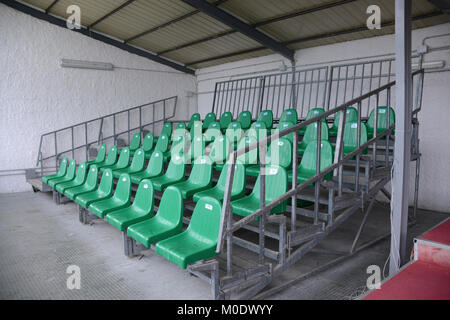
(111, 13)
(97, 36)
(261, 23)
(315, 37)
(51, 6)
(242, 27)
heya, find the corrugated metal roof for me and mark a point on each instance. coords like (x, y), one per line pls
(179, 32)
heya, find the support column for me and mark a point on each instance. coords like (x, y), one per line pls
(402, 153)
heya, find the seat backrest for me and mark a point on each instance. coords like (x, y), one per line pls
(70, 173)
(144, 199)
(289, 115)
(101, 155)
(276, 183)
(63, 167)
(238, 178)
(148, 142)
(123, 188)
(124, 158)
(106, 183)
(197, 147)
(81, 173)
(311, 132)
(167, 129)
(351, 115)
(220, 150)
(266, 116)
(138, 160)
(156, 164)
(314, 112)
(250, 157)
(135, 141)
(283, 126)
(170, 209)
(234, 132)
(258, 130)
(201, 173)
(112, 156)
(163, 143)
(225, 119)
(245, 118)
(351, 136)
(213, 132)
(181, 125)
(196, 129)
(307, 166)
(92, 177)
(382, 119)
(280, 153)
(205, 221)
(209, 118)
(195, 117)
(177, 133)
(176, 168)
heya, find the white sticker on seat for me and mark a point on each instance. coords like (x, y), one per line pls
(209, 207)
(124, 179)
(354, 125)
(107, 174)
(145, 186)
(382, 111)
(126, 150)
(273, 171)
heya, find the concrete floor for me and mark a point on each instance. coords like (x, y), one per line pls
(39, 240)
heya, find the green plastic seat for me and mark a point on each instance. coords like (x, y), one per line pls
(209, 118)
(178, 133)
(199, 179)
(212, 132)
(289, 115)
(120, 199)
(136, 166)
(199, 241)
(78, 181)
(61, 172)
(140, 210)
(197, 148)
(266, 116)
(250, 157)
(166, 130)
(155, 168)
(166, 223)
(225, 119)
(101, 156)
(135, 143)
(234, 133)
(195, 117)
(311, 135)
(276, 185)
(148, 142)
(175, 173)
(382, 121)
(307, 167)
(245, 119)
(218, 191)
(351, 137)
(351, 115)
(181, 125)
(161, 145)
(258, 130)
(123, 162)
(196, 129)
(111, 158)
(69, 176)
(279, 153)
(314, 112)
(220, 150)
(89, 185)
(283, 126)
(104, 191)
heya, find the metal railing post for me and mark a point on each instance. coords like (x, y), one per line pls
(262, 202)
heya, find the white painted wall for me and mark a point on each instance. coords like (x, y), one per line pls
(38, 96)
(434, 119)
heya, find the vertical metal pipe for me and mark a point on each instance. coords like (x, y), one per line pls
(114, 128)
(388, 125)
(262, 201)
(86, 140)
(375, 130)
(358, 139)
(318, 159)
(128, 130)
(330, 86)
(294, 181)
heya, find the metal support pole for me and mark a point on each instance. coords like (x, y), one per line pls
(402, 152)
(262, 196)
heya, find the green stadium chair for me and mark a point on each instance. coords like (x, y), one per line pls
(210, 118)
(101, 156)
(250, 157)
(311, 135)
(220, 149)
(199, 241)
(175, 173)
(195, 117)
(136, 165)
(178, 133)
(199, 179)
(212, 132)
(78, 181)
(258, 130)
(283, 126)
(245, 119)
(166, 223)
(234, 133)
(155, 168)
(382, 121)
(166, 130)
(181, 125)
(314, 112)
(104, 191)
(218, 191)
(197, 148)
(148, 143)
(120, 199)
(61, 172)
(161, 145)
(225, 119)
(123, 162)
(135, 143)
(276, 185)
(69, 176)
(89, 185)
(279, 153)
(111, 158)
(140, 210)
(266, 116)
(350, 116)
(307, 167)
(289, 115)
(351, 137)
(196, 129)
